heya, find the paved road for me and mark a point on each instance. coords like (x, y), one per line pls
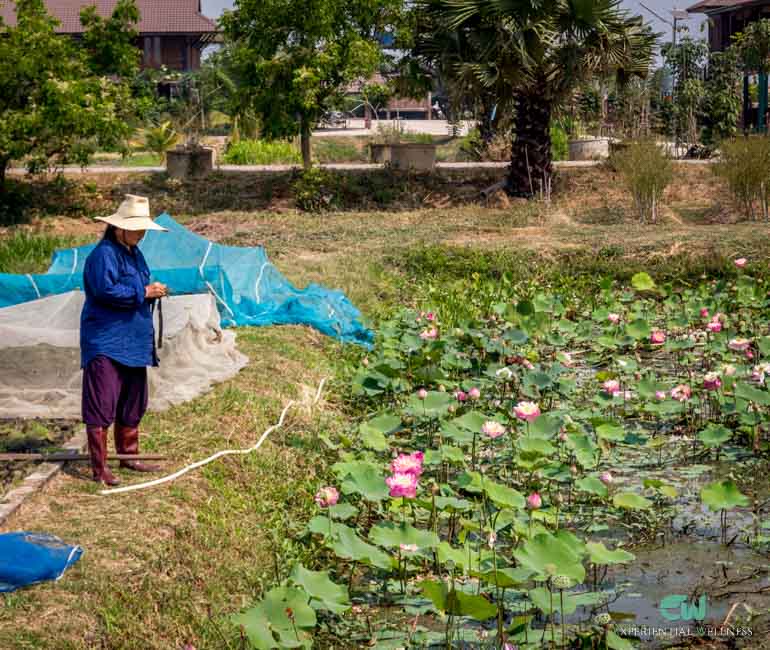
(271, 169)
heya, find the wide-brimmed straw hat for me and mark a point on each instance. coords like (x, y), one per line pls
(133, 214)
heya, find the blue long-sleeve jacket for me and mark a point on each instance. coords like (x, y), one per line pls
(116, 320)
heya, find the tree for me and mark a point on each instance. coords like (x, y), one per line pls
(722, 98)
(535, 55)
(110, 41)
(53, 105)
(686, 60)
(293, 58)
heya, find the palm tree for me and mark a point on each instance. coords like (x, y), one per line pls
(532, 54)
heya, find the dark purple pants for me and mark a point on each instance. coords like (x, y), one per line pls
(113, 392)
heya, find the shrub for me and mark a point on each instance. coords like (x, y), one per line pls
(559, 143)
(745, 166)
(262, 152)
(27, 252)
(315, 190)
(160, 139)
(646, 171)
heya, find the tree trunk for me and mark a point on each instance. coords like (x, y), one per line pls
(3, 168)
(307, 160)
(531, 165)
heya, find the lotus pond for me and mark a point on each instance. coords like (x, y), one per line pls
(552, 472)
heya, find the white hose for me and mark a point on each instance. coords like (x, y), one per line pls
(219, 454)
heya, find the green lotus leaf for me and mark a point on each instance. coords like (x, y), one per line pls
(392, 535)
(611, 431)
(639, 329)
(714, 435)
(538, 446)
(631, 501)
(642, 282)
(592, 485)
(362, 477)
(268, 625)
(504, 496)
(598, 553)
(349, 546)
(723, 495)
(541, 597)
(324, 594)
(548, 555)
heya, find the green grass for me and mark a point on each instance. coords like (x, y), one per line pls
(261, 152)
(23, 251)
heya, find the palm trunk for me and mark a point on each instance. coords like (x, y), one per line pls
(3, 168)
(307, 161)
(531, 163)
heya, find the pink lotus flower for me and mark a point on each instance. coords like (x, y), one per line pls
(429, 335)
(740, 262)
(430, 316)
(402, 485)
(758, 374)
(658, 337)
(327, 497)
(714, 327)
(613, 318)
(474, 393)
(611, 387)
(749, 354)
(563, 437)
(729, 370)
(573, 470)
(408, 464)
(534, 502)
(660, 394)
(408, 548)
(528, 411)
(527, 364)
(422, 393)
(492, 429)
(606, 478)
(719, 317)
(681, 393)
(704, 313)
(739, 344)
(711, 381)
(461, 396)
(491, 540)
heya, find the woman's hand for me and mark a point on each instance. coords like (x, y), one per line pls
(155, 290)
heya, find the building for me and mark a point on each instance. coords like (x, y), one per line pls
(725, 19)
(172, 33)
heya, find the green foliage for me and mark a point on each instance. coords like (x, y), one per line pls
(686, 61)
(559, 142)
(753, 46)
(160, 139)
(745, 166)
(110, 41)
(262, 152)
(23, 251)
(646, 172)
(54, 102)
(294, 59)
(315, 190)
(721, 104)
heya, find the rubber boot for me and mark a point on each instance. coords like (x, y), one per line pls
(97, 449)
(127, 442)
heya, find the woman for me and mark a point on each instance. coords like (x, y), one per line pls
(117, 338)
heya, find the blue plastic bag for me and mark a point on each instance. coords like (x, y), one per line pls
(29, 558)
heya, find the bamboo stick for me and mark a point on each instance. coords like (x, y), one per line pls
(69, 456)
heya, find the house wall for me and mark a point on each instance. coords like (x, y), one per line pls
(174, 52)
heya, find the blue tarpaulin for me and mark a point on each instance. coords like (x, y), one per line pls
(29, 558)
(248, 288)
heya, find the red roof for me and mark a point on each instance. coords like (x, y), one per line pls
(157, 16)
(707, 6)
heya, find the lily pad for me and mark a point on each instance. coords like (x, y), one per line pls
(723, 495)
(631, 501)
(598, 553)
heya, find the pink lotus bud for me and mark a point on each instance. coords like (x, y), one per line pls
(562, 437)
(573, 470)
(714, 326)
(528, 411)
(711, 381)
(613, 318)
(461, 396)
(681, 393)
(660, 394)
(704, 313)
(492, 429)
(611, 387)
(740, 262)
(534, 502)
(749, 354)
(422, 393)
(606, 478)
(657, 337)
(327, 497)
(474, 393)
(430, 316)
